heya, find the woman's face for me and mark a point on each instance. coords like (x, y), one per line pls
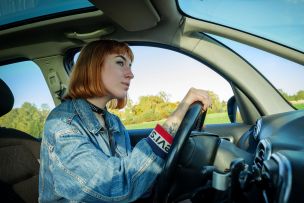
(117, 75)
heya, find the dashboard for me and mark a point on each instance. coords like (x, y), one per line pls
(279, 156)
(266, 167)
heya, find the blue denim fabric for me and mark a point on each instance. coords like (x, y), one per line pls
(76, 160)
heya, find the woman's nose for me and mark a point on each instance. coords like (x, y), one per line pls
(129, 73)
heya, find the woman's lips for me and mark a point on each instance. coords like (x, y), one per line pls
(127, 85)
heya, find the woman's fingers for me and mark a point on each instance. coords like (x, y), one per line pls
(194, 95)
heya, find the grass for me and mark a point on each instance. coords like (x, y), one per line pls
(210, 119)
(216, 118)
(299, 106)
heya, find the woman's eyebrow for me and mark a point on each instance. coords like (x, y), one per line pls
(121, 56)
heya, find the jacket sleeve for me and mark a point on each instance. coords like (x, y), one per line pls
(82, 172)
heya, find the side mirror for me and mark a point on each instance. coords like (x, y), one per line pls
(231, 109)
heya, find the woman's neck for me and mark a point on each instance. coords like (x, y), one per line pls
(99, 101)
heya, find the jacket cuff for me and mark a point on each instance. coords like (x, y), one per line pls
(160, 141)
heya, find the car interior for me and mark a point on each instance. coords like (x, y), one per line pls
(257, 160)
(19, 157)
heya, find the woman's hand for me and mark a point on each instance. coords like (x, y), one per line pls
(193, 95)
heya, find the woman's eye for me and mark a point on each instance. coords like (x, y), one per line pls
(120, 63)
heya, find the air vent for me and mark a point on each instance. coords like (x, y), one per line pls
(259, 156)
(262, 153)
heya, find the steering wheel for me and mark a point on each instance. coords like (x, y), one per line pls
(193, 120)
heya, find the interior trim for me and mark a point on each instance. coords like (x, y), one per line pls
(144, 15)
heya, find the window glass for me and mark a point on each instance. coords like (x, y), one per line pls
(285, 75)
(277, 20)
(32, 99)
(162, 78)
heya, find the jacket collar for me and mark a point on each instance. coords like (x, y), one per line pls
(89, 119)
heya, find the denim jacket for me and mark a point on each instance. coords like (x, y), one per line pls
(77, 164)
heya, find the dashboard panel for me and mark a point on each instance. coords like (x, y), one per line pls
(279, 156)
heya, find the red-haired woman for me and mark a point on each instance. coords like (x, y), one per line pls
(86, 155)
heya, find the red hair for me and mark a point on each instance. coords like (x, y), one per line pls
(86, 81)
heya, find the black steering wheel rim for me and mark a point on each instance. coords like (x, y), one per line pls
(193, 120)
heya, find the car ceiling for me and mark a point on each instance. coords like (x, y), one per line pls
(137, 20)
(49, 37)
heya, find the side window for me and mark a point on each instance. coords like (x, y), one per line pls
(162, 78)
(32, 99)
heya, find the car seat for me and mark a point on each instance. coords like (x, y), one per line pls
(19, 158)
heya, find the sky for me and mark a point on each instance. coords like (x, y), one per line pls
(156, 70)
(26, 82)
(282, 73)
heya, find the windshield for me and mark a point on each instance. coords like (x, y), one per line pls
(286, 76)
(281, 21)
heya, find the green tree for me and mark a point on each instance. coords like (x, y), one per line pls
(145, 110)
(148, 108)
(300, 95)
(217, 105)
(28, 118)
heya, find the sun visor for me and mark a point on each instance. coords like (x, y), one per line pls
(132, 15)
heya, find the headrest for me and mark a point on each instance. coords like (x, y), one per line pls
(6, 98)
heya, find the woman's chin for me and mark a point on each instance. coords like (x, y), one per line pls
(121, 95)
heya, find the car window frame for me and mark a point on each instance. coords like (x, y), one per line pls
(20, 60)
